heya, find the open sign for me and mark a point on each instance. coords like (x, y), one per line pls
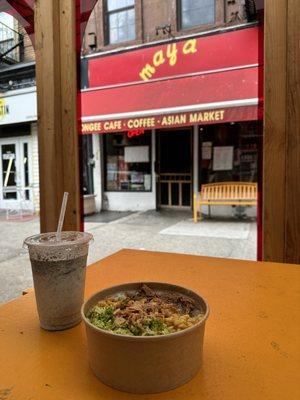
(135, 132)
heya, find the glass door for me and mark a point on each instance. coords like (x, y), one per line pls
(175, 168)
(25, 189)
(9, 179)
(15, 189)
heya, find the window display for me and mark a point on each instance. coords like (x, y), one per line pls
(128, 162)
(230, 152)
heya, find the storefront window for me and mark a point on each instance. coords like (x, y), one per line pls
(128, 161)
(230, 152)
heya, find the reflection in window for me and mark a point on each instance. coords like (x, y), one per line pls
(197, 12)
(120, 21)
(128, 162)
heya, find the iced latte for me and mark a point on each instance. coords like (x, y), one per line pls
(58, 269)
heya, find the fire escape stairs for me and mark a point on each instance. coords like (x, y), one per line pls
(11, 45)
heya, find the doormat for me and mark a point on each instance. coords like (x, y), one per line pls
(214, 229)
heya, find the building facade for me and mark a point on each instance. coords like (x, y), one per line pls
(19, 182)
(171, 100)
(116, 24)
(155, 123)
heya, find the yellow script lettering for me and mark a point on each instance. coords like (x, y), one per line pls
(158, 58)
(190, 46)
(147, 72)
(172, 53)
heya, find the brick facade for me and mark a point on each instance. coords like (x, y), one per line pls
(153, 13)
(28, 51)
(149, 14)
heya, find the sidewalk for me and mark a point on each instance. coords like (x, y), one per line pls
(169, 231)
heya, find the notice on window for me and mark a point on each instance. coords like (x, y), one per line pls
(136, 154)
(112, 169)
(206, 150)
(223, 158)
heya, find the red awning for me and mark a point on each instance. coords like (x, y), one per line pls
(226, 92)
(234, 92)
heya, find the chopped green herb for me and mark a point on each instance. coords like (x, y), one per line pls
(144, 313)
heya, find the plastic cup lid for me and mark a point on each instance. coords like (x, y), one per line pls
(68, 238)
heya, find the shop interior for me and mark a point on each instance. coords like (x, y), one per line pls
(174, 168)
(127, 160)
(230, 152)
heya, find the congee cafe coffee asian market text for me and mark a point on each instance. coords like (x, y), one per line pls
(181, 119)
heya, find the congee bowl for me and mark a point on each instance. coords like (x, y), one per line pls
(145, 364)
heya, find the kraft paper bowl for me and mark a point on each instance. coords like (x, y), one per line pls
(145, 364)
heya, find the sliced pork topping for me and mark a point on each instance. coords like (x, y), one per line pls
(145, 313)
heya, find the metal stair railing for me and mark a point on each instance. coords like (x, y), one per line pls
(11, 45)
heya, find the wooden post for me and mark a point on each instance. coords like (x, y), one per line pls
(281, 215)
(55, 34)
(292, 187)
(274, 131)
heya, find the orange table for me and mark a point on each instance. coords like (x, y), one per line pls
(251, 348)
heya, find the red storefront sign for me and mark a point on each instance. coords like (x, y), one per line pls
(165, 85)
(189, 56)
(172, 120)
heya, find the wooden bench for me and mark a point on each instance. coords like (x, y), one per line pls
(225, 194)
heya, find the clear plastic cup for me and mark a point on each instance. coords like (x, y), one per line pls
(58, 269)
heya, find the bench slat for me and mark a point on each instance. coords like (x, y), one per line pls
(226, 193)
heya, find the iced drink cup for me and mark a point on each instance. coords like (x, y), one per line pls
(58, 269)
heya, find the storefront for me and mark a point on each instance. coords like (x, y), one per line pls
(19, 182)
(170, 117)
